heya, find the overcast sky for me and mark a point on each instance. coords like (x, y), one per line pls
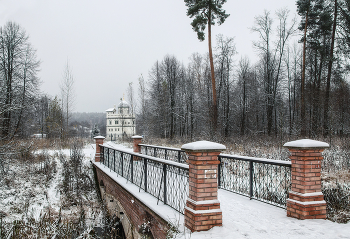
(109, 43)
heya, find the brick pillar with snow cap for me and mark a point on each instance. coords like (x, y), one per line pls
(202, 210)
(99, 140)
(137, 139)
(306, 199)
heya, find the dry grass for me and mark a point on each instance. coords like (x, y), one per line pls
(24, 194)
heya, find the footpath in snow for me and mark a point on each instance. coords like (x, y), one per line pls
(245, 218)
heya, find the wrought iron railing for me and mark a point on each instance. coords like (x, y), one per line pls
(164, 179)
(173, 154)
(265, 180)
(261, 179)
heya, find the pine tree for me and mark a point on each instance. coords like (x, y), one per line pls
(206, 13)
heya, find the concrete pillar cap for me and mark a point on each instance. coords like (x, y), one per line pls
(306, 144)
(203, 146)
(99, 137)
(137, 137)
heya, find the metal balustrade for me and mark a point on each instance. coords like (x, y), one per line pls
(164, 179)
(261, 179)
(173, 154)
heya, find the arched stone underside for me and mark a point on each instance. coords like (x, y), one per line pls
(138, 220)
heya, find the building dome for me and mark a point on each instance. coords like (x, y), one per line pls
(123, 104)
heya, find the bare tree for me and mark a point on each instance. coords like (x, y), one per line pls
(18, 81)
(243, 72)
(130, 92)
(272, 57)
(225, 50)
(68, 96)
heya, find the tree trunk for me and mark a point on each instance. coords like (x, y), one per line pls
(326, 101)
(302, 110)
(215, 107)
(244, 110)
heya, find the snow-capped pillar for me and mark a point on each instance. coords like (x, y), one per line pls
(99, 140)
(202, 210)
(306, 198)
(137, 140)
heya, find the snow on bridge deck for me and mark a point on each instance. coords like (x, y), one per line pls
(243, 218)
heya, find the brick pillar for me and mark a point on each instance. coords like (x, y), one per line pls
(202, 210)
(306, 198)
(99, 140)
(137, 140)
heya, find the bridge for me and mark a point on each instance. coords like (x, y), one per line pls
(156, 191)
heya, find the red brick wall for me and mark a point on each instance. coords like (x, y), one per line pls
(203, 192)
(305, 198)
(135, 210)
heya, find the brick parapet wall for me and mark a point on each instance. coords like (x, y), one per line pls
(306, 211)
(202, 211)
(203, 183)
(306, 170)
(136, 141)
(136, 211)
(202, 221)
(98, 140)
(306, 200)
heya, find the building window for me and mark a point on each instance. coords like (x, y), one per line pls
(133, 122)
(117, 122)
(128, 122)
(110, 122)
(118, 129)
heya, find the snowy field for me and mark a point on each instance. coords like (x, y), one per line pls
(32, 192)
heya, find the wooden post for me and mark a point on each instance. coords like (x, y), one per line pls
(306, 198)
(202, 210)
(99, 140)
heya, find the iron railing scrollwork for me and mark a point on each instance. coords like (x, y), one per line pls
(164, 179)
(261, 179)
(173, 154)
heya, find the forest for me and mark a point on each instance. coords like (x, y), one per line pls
(297, 86)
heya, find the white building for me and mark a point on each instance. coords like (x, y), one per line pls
(120, 122)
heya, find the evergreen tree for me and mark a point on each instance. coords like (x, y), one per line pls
(95, 131)
(207, 12)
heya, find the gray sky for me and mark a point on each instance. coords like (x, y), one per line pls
(109, 43)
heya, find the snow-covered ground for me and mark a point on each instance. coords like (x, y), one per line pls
(244, 218)
(28, 193)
